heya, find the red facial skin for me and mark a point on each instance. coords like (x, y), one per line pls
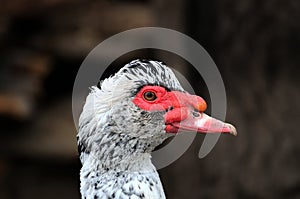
(178, 104)
(184, 112)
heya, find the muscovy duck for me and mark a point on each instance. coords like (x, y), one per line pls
(124, 119)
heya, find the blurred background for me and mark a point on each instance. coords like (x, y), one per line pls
(255, 44)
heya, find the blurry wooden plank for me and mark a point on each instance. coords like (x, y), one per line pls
(18, 98)
(13, 106)
(9, 7)
(75, 31)
(52, 135)
(170, 14)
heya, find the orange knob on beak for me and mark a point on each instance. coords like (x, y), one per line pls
(201, 104)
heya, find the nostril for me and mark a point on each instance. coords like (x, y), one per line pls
(196, 113)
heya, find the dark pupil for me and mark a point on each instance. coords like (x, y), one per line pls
(150, 96)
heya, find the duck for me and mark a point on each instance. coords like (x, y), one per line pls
(124, 118)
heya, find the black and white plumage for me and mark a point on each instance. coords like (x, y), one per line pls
(118, 129)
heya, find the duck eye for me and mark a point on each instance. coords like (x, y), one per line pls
(149, 96)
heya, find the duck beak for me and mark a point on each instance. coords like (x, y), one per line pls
(188, 115)
(203, 123)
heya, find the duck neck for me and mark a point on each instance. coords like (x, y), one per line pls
(119, 153)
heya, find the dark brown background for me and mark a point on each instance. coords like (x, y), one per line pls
(254, 43)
